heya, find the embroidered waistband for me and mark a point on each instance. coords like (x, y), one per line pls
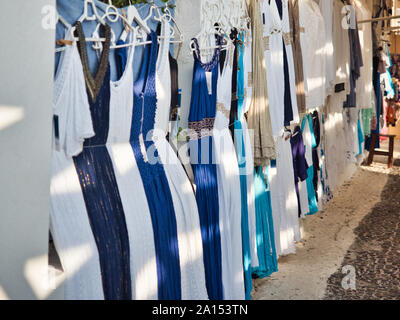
(201, 129)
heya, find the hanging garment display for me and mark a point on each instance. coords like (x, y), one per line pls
(201, 123)
(259, 119)
(229, 194)
(126, 220)
(313, 48)
(266, 250)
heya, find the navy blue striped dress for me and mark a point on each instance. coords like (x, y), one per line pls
(154, 178)
(98, 182)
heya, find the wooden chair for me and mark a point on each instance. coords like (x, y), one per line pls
(374, 151)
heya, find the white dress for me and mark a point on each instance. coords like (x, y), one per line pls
(273, 46)
(185, 206)
(313, 45)
(69, 222)
(132, 193)
(276, 35)
(327, 13)
(290, 60)
(284, 199)
(229, 194)
(364, 85)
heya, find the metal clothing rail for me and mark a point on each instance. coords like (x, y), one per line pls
(379, 19)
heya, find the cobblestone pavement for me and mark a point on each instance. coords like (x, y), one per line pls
(375, 254)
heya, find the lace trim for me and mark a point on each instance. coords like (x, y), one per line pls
(201, 129)
(94, 84)
(221, 108)
(287, 38)
(209, 65)
(266, 43)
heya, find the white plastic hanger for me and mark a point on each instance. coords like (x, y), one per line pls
(133, 15)
(85, 15)
(111, 10)
(61, 19)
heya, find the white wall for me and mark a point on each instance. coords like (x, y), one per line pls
(26, 76)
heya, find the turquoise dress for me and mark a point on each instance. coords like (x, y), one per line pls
(241, 153)
(266, 250)
(312, 199)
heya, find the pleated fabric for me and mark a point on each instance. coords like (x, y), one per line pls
(202, 114)
(154, 178)
(259, 118)
(99, 185)
(242, 152)
(266, 250)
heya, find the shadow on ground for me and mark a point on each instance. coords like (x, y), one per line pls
(375, 254)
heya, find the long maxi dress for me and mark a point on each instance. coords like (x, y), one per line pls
(280, 65)
(98, 181)
(245, 159)
(133, 195)
(228, 187)
(201, 123)
(266, 249)
(187, 216)
(69, 222)
(154, 178)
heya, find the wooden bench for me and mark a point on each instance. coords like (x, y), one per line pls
(374, 151)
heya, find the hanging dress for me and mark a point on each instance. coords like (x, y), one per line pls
(154, 179)
(259, 118)
(300, 170)
(245, 160)
(98, 181)
(69, 222)
(291, 107)
(310, 143)
(187, 216)
(280, 65)
(266, 250)
(201, 122)
(283, 198)
(229, 195)
(130, 185)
